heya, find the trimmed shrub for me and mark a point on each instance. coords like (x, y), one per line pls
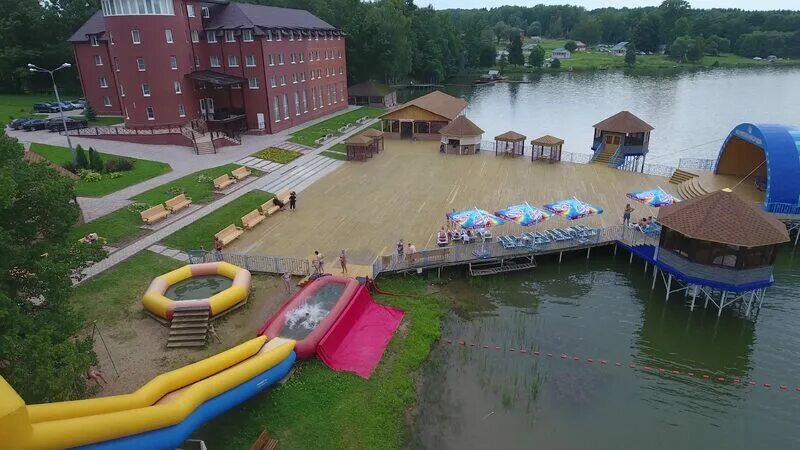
(204, 179)
(80, 158)
(114, 175)
(138, 207)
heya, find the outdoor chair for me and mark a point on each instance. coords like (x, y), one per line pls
(506, 242)
(543, 237)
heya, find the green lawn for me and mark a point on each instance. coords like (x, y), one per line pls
(13, 106)
(202, 231)
(99, 121)
(278, 155)
(308, 135)
(340, 409)
(142, 170)
(108, 298)
(338, 151)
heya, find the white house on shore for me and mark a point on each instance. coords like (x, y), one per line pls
(580, 46)
(561, 53)
(620, 49)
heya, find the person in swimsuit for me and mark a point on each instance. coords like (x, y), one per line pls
(626, 216)
(343, 262)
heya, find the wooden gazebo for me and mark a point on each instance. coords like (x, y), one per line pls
(377, 138)
(547, 148)
(359, 148)
(509, 143)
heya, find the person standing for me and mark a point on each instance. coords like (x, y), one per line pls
(343, 262)
(287, 281)
(411, 250)
(400, 249)
(292, 200)
(626, 215)
(217, 249)
(320, 261)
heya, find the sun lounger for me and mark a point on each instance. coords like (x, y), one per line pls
(485, 234)
(542, 237)
(556, 235)
(506, 241)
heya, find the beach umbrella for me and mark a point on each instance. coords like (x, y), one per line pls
(523, 214)
(475, 219)
(654, 197)
(572, 209)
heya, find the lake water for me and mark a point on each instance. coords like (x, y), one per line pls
(692, 112)
(603, 308)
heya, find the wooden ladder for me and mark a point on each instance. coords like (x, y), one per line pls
(264, 442)
(189, 327)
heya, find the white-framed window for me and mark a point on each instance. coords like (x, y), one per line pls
(116, 64)
(319, 94)
(303, 77)
(211, 37)
(314, 98)
(269, 35)
(236, 86)
(283, 80)
(253, 83)
(195, 36)
(197, 60)
(329, 95)
(341, 71)
(205, 12)
(229, 36)
(111, 38)
(327, 72)
(233, 61)
(296, 104)
(93, 40)
(168, 36)
(310, 56)
(316, 35)
(278, 34)
(275, 111)
(181, 111)
(272, 81)
(173, 62)
(247, 35)
(140, 66)
(250, 60)
(312, 74)
(146, 90)
(103, 82)
(151, 115)
(271, 59)
(299, 35)
(136, 37)
(214, 61)
(178, 87)
(305, 102)
(121, 90)
(106, 100)
(294, 78)
(300, 56)
(292, 59)
(326, 55)
(291, 35)
(334, 93)
(190, 10)
(285, 106)
(280, 59)
(98, 60)
(137, 8)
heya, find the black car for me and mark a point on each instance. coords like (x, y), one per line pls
(18, 123)
(72, 124)
(45, 107)
(36, 124)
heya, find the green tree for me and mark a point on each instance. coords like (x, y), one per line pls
(679, 49)
(534, 29)
(681, 27)
(536, 58)
(515, 51)
(570, 45)
(80, 158)
(501, 30)
(556, 28)
(671, 12)
(647, 33)
(630, 54)
(697, 49)
(555, 63)
(588, 31)
(89, 112)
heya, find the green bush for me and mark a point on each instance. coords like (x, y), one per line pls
(114, 175)
(90, 176)
(204, 179)
(80, 158)
(175, 191)
(89, 112)
(137, 207)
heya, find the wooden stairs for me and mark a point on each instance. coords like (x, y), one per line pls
(605, 156)
(691, 188)
(189, 327)
(492, 267)
(679, 176)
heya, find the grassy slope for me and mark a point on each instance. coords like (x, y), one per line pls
(308, 135)
(202, 231)
(320, 408)
(98, 121)
(13, 106)
(142, 170)
(199, 192)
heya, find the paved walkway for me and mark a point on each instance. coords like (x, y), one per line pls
(169, 252)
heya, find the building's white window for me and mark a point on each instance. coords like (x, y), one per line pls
(98, 60)
(146, 90)
(137, 39)
(253, 83)
(291, 35)
(283, 80)
(269, 35)
(341, 71)
(140, 64)
(272, 81)
(327, 72)
(121, 90)
(296, 104)
(300, 56)
(116, 64)
(305, 102)
(189, 10)
(329, 95)
(173, 62)
(319, 94)
(178, 87)
(151, 115)
(299, 35)
(310, 56)
(250, 60)
(211, 37)
(137, 8)
(127, 116)
(292, 59)
(302, 77)
(247, 35)
(195, 36)
(236, 86)
(168, 35)
(214, 61)
(294, 78)
(229, 36)
(280, 59)
(312, 74)
(197, 60)
(233, 61)
(316, 35)
(278, 34)
(93, 40)
(326, 55)
(205, 12)
(285, 106)
(106, 100)
(334, 93)
(271, 59)
(314, 98)
(275, 111)
(181, 111)
(103, 82)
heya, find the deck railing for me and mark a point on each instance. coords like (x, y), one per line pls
(106, 131)
(255, 263)
(697, 164)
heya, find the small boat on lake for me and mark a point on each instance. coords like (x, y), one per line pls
(493, 76)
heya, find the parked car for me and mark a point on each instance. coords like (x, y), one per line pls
(45, 107)
(66, 106)
(78, 104)
(18, 123)
(72, 124)
(36, 124)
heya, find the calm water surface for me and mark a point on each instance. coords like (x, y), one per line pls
(692, 112)
(200, 287)
(604, 309)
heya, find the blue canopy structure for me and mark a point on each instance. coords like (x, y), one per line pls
(770, 151)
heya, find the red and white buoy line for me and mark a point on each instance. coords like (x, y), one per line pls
(630, 365)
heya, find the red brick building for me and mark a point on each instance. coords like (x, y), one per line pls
(239, 66)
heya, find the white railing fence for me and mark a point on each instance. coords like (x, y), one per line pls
(255, 263)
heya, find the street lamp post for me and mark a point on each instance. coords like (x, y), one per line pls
(34, 68)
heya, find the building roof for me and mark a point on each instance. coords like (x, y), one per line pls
(723, 217)
(461, 127)
(216, 78)
(547, 141)
(245, 15)
(624, 122)
(560, 50)
(436, 102)
(369, 89)
(580, 44)
(372, 133)
(510, 136)
(620, 46)
(359, 139)
(95, 25)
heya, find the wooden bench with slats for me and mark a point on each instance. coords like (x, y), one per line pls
(177, 203)
(229, 234)
(154, 214)
(223, 181)
(251, 219)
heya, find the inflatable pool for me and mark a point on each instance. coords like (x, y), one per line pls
(197, 285)
(308, 315)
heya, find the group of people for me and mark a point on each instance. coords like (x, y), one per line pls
(444, 236)
(402, 250)
(643, 223)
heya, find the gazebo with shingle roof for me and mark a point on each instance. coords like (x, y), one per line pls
(461, 137)
(376, 136)
(547, 148)
(621, 141)
(359, 148)
(513, 144)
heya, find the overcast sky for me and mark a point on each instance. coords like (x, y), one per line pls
(592, 4)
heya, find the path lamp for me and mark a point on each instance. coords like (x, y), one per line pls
(34, 68)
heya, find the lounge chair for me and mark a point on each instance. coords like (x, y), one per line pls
(543, 237)
(506, 241)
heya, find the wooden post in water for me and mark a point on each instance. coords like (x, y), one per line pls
(655, 277)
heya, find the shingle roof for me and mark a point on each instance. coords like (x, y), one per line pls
(624, 122)
(460, 126)
(359, 139)
(369, 89)
(245, 15)
(438, 103)
(372, 133)
(510, 136)
(547, 141)
(95, 25)
(723, 217)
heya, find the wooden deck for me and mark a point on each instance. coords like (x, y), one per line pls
(405, 191)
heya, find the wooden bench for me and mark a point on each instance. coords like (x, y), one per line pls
(223, 181)
(229, 234)
(241, 173)
(251, 219)
(284, 196)
(264, 442)
(154, 214)
(177, 203)
(268, 208)
(319, 141)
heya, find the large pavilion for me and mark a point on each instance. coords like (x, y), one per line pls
(371, 93)
(621, 141)
(460, 137)
(423, 117)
